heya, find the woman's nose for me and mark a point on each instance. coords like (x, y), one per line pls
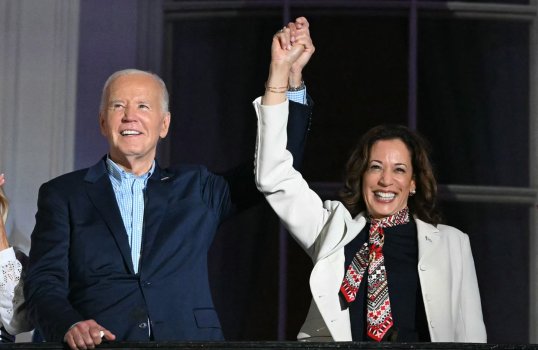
(385, 178)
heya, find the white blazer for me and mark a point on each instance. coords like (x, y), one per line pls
(445, 262)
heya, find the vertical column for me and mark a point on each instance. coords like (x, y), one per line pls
(38, 57)
(533, 168)
(412, 64)
(149, 35)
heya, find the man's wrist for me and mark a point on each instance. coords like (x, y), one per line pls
(299, 87)
(295, 78)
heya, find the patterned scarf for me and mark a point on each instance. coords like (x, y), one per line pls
(370, 255)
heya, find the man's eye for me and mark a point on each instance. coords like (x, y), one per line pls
(118, 107)
(143, 106)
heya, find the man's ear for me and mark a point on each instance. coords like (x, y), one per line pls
(165, 125)
(102, 126)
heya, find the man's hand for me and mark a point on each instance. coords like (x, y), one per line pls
(300, 35)
(86, 335)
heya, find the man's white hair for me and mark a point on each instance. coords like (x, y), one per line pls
(114, 76)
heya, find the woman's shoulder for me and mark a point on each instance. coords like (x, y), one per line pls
(443, 230)
(450, 230)
(453, 235)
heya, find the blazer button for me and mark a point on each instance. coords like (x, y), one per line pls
(143, 325)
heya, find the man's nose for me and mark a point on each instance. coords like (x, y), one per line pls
(129, 113)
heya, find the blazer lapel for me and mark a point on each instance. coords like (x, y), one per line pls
(341, 231)
(156, 206)
(99, 189)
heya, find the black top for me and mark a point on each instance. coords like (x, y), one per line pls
(401, 260)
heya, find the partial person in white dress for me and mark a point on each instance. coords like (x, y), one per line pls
(13, 314)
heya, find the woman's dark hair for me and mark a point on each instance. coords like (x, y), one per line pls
(423, 203)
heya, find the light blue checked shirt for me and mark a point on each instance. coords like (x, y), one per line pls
(129, 191)
(297, 96)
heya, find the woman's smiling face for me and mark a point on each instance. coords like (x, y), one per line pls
(388, 179)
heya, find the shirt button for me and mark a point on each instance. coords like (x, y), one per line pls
(432, 324)
(423, 267)
(143, 325)
(428, 297)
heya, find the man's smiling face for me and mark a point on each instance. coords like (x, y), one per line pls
(133, 119)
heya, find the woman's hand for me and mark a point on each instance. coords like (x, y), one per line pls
(3, 208)
(283, 52)
(287, 54)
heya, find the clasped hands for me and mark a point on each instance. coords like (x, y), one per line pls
(292, 45)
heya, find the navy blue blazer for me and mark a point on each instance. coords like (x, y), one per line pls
(80, 261)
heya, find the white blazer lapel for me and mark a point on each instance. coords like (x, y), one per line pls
(339, 230)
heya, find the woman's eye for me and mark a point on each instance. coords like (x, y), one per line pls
(400, 170)
(375, 167)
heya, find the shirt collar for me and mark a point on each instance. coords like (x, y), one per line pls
(118, 173)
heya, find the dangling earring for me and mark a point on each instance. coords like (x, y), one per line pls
(413, 192)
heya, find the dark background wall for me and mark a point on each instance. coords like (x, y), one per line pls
(472, 105)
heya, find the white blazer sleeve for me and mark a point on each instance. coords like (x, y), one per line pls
(12, 307)
(300, 208)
